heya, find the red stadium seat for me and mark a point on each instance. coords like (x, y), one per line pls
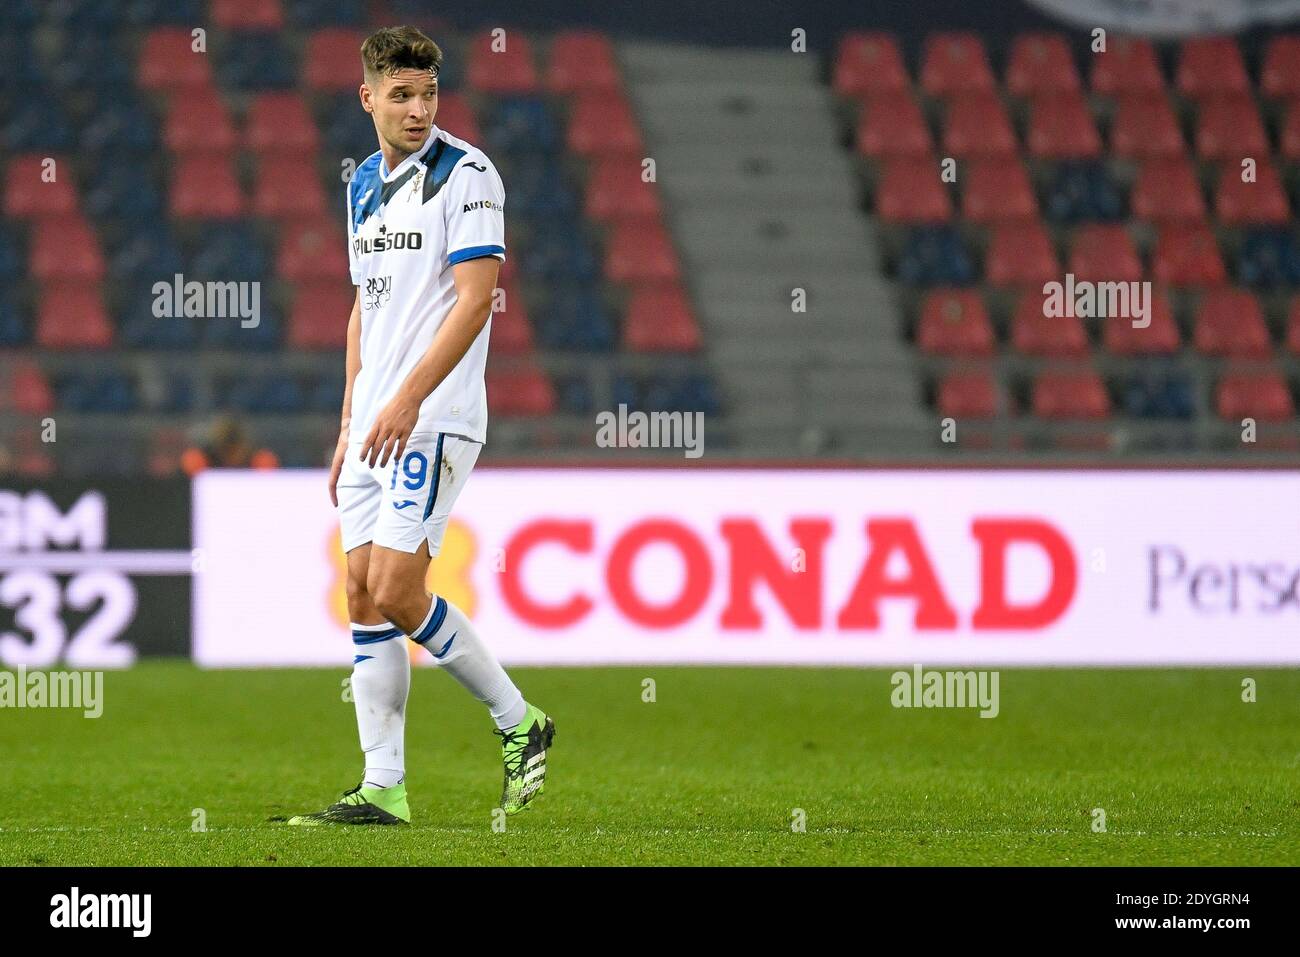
(641, 252)
(869, 64)
(247, 14)
(659, 319)
(73, 317)
(168, 61)
(25, 389)
(997, 190)
(1159, 337)
(954, 322)
(520, 391)
(1263, 201)
(616, 191)
(512, 332)
(1210, 66)
(65, 250)
(601, 123)
(1280, 76)
(910, 191)
(970, 395)
(29, 196)
(1061, 127)
(977, 125)
(1104, 253)
(1127, 66)
(281, 122)
(955, 63)
(1229, 128)
(582, 60)
(1076, 394)
(1145, 128)
(319, 317)
(1037, 334)
(891, 124)
(1041, 63)
(1293, 326)
(1289, 138)
(331, 62)
(507, 69)
(1230, 322)
(199, 122)
(312, 250)
(205, 187)
(1021, 254)
(1257, 395)
(1167, 191)
(1186, 254)
(456, 116)
(283, 192)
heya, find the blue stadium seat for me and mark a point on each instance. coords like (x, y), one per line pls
(576, 318)
(91, 59)
(121, 125)
(699, 394)
(178, 395)
(1083, 192)
(22, 13)
(150, 252)
(31, 126)
(521, 125)
(626, 391)
(936, 256)
(120, 191)
(228, 251)
(230, 333)
(574, 395)
(13, 261)
(138, 327)
(558, 254)
(256, 61)
(325, 394)
(89, 15)
(1269, 258)
(14, 330)
(147, 13)
(1158, 395)
(539, 190)
(349, 130)
(325, 13)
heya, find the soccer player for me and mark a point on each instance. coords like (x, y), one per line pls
(426, 235)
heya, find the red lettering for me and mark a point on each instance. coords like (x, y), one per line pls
(994, 611)
(577, 536)
(920, 583)
(695, 589)
(752, 559)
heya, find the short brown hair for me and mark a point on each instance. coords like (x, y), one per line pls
(399, 48)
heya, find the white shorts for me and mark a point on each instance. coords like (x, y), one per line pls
(407, 502)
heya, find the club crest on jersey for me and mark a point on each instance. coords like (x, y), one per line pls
(379, 289)
(384, 240)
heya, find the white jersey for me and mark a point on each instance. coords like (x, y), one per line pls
(406, 228)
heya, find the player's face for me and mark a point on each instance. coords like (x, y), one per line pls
(403, 106)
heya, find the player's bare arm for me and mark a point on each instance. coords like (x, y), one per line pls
(353, 366)
(475, 281)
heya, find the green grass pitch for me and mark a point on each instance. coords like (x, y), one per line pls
(711, 772)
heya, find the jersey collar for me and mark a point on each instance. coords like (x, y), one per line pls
(415, 157)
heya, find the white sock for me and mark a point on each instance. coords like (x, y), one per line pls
(456, 647)
(381, 679)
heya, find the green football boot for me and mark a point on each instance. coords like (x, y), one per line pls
(523, 751)
(363, 805)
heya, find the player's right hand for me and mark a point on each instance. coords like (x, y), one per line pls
(340, 451)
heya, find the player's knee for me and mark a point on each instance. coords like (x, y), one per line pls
(387, 597)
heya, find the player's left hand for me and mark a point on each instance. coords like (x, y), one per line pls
(394, 425)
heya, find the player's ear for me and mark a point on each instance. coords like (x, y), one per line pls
(366, 98)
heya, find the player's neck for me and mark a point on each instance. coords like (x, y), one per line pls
(394, 157)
